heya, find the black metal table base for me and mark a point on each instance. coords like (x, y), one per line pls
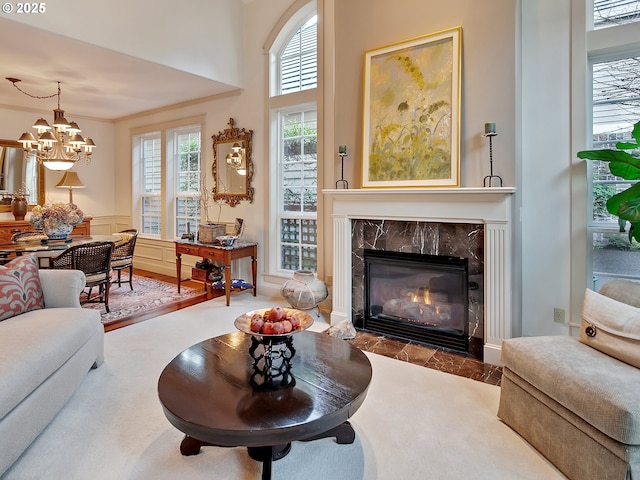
(272, 362)
(343, 433)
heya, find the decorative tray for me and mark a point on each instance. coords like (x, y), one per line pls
(243, 322)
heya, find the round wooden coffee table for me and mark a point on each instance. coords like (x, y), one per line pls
(206, 393)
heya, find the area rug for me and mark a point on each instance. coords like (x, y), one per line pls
(148, 295)
(415, 423)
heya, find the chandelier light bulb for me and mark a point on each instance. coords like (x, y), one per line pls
(89, 146)
(47, 140)
(27, 140)
(73, 128)
(76, 140)
(41, 126)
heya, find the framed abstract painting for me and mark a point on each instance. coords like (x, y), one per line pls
(411, 115)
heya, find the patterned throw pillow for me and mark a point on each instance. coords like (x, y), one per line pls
(20, 289)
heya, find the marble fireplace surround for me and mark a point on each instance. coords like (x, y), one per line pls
(491, 207)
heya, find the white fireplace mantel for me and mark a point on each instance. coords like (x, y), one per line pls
(491, 206)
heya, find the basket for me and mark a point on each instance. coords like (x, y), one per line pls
(207, 233)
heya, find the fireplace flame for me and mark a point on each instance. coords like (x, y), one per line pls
(421, 296)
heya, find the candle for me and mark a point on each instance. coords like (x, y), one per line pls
(489, 127)
(342, 149)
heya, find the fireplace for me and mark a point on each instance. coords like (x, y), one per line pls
(437, 211)
(417, 297)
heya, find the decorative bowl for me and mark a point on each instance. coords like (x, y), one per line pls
(226, 240)
(243, 322)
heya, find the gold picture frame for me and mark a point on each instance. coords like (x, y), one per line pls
(411, 114)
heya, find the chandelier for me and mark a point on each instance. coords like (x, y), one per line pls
(58, 146)
(235, 159)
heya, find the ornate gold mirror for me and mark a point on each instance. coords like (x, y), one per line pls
(18, 170)
(232, 165)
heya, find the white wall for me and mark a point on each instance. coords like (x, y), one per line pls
(545, 181)
(517, 72)
(203, 38)
(247, 108)
(524, 84)
(488, 74)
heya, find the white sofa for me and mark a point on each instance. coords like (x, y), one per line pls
(44, 356)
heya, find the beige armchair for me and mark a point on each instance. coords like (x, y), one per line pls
(578, 406)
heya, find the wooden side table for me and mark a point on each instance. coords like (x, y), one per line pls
(221, 254)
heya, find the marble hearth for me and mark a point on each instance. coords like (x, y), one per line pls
(435, 217)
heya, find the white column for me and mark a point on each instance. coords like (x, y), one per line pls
(497, 289)
(341, 269)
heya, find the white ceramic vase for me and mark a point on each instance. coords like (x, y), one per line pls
(59, 233)
(304, 291)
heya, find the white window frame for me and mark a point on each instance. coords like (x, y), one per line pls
(602, 45)
(169, 159)
(139, 142)
(173, 135)
(277, 105)
(279, 186)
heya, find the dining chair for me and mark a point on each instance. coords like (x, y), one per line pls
(30, 236)
(122, 257)
(94, 259)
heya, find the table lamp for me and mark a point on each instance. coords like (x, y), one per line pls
(71, 180)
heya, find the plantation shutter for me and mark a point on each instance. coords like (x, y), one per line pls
(607, 13)
(299, 60)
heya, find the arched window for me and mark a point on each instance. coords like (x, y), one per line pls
(298, 61)
(293, 145)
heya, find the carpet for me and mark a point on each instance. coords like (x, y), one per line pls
(415, 423)
(148, 294)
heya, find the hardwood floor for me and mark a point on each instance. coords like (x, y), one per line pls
(436, 358)
(166, 309)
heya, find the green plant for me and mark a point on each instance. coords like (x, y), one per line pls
(623, 164)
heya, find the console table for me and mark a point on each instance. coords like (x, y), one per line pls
(220, 254)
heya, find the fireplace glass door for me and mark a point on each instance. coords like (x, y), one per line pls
(417, 297)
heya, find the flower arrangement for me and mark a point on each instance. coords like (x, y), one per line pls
(53, 215)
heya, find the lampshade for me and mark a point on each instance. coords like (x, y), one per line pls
(70, 180)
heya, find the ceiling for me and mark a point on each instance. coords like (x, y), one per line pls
(96, 82)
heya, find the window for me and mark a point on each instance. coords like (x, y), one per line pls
(298, 199)
(299, 59)
(615, 82)
(167, 170)
(608, 13)
(616, 105)
(294, 140)
(151, 162)
(187, 199)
